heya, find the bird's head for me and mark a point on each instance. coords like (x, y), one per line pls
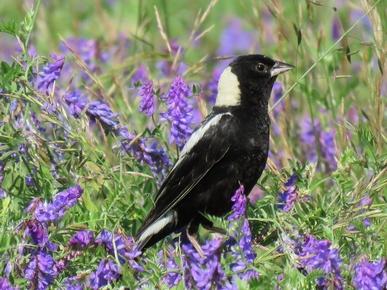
(249, 79)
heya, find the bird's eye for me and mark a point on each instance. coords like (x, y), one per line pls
(260, 67)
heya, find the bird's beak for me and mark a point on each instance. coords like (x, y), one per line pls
(280, 67)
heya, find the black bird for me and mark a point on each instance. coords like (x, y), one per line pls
(228, 149)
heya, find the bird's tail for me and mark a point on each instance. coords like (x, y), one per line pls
(151, 233)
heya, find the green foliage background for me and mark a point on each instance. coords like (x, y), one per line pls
(118, 191)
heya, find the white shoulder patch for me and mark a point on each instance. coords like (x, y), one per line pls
(198, 134)
(156, 227)
(229, 93)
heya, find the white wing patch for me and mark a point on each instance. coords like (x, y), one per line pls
(229, 93)
(197, 135)
(156, 227)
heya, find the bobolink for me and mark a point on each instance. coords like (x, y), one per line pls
(230, 148)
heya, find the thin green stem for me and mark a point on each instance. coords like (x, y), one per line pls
(36, 9)
(324, 55)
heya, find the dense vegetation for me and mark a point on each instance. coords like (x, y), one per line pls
(97, 98)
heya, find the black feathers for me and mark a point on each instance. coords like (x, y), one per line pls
(228, 149)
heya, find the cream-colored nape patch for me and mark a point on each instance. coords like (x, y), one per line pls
(229, 93)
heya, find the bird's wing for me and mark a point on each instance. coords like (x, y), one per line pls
(206, 147)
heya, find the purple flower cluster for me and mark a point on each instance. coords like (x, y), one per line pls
(336, 29)
(86, 50)
(82, 239)
(145, 152)
(288, 197)
(328, 149)
(99, 110)
(62, 201)
(125, 248)
(207, 272)
(3, 193)
(204, 272)
(166, 67)
(241, 247)
(41, 270)
(6, 285)
(313, 137)
(308, 133)
(277, 93)
(107, 272)
(140, 75)
(37, 232)
(76, 102)
(319, 255)
(239, 201)
(151, 154)
(243, 254)
(74, 283)
(179, 112)
(49, 74)
(147, 103)
(173, 275)
(235, 39)
(370, 275)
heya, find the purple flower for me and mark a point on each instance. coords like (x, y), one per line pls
(309, 131)
(2, 167)
(29, 181)
(207, 272)
(336, 29)
(158, 160)
(49, 108)
(277, 93)
(41, 270)
(76, 102)
(366, 22)
(154, 156)
(288, 197)
(82, 239)
(245, 243)
(239, 204)
(13, 105)
(319, 255)
(102, 112)
(3, 193)
(165, 66)
(147, 103)
(255, 194)
(37, 231)
(365, 201)
(235, 39)
(370, 275)
(106, 273)
(50, 74)
(140, 75)
(61, 203)
(86, 49)
(243, 253)
(328, 149)
(23, 149)
(313, 137)
(179, 112)
(353, 115)
(173, 276)
(124, 247)
(73, 283)
(6, 285)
